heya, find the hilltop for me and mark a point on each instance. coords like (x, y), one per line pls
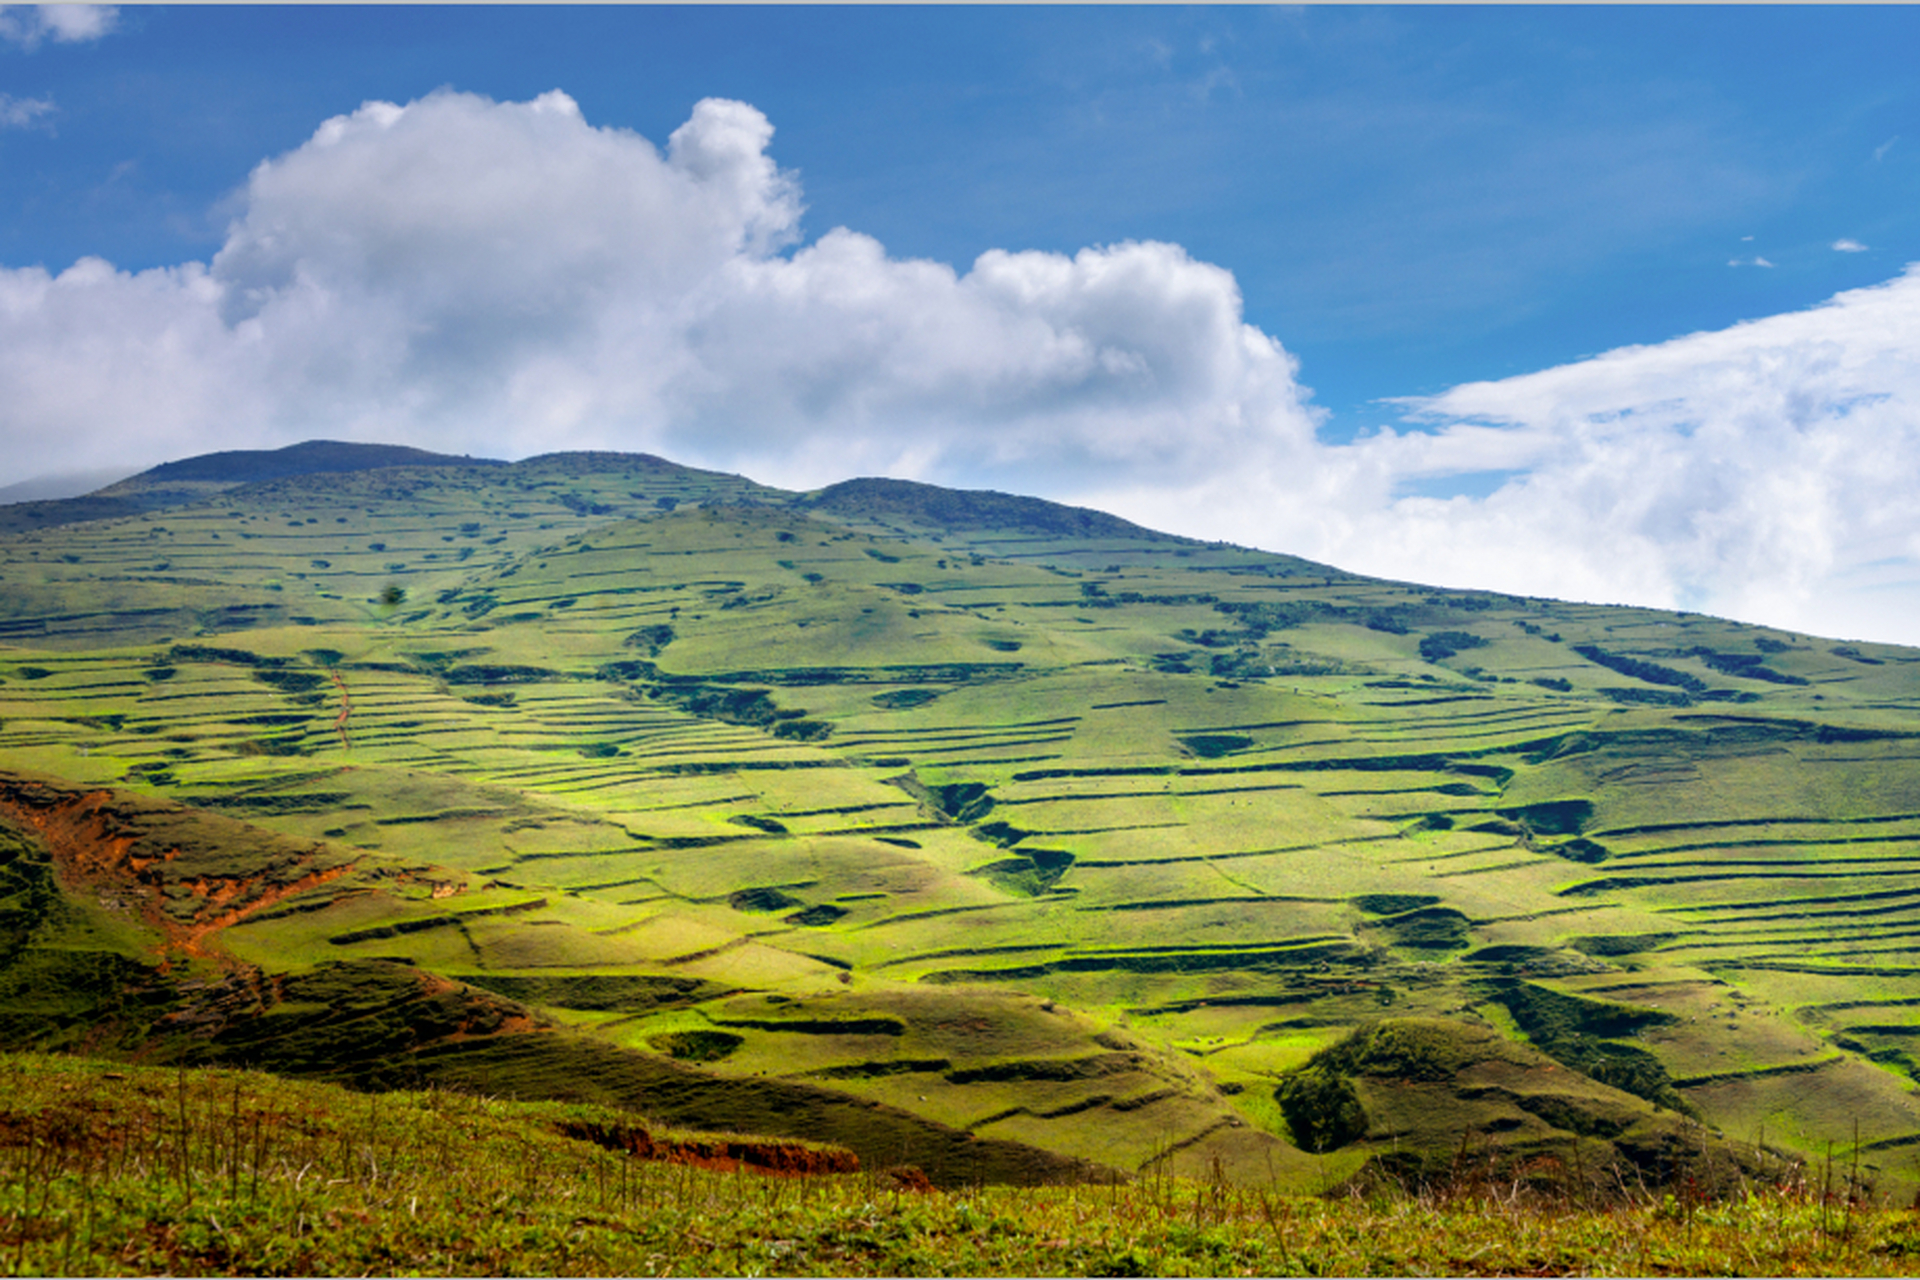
(172, 484)
(960, 829)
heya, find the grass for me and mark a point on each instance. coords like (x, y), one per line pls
(109, 1170)
(578, 706)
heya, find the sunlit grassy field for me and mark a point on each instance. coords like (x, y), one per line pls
(1029, 829)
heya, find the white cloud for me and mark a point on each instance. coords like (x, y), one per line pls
(1764, 471)
(1845, 245)
(506, 278)
(18, 113)
(29, 25)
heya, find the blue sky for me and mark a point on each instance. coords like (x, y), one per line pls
(1410, 198)
(1407, 202)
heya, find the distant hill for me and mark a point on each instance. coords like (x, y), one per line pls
(932, 507)
(51, 513)
(1015, 527)
(250, 466)
(173, 484)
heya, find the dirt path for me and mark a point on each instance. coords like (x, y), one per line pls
(346, 709)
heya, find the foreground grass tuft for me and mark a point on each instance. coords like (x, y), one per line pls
(107, 1169)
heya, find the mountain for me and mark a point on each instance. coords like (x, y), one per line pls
(188, 480)
(961, 829)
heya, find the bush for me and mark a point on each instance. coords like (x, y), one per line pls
(1211, 746)
(1747, 666)
(1648, 697)
(1651, 672)
(696, 1046)
(1441, 645)
(1321, 1109)
(653, 639)
(899, 699)
(291, 681)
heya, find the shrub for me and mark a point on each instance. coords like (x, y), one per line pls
(653, 639)
(1441, 645)
(1211, 746)
(1651, 672)
(696, 1046)
(761, 899)
(1321, 1109)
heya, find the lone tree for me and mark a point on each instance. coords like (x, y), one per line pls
(393, 595)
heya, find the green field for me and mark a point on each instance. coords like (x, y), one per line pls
(113, 1170)
(967, 831)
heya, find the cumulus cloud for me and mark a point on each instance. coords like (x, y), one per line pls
(1845, 245)
(29, 25)
(508, 278)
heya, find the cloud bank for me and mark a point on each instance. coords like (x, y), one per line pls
(507, 278)
(1764, 471)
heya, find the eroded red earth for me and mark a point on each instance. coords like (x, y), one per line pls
(161, 861)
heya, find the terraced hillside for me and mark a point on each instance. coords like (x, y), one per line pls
(973, 831)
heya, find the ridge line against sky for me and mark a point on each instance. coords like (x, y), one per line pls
(508, 271)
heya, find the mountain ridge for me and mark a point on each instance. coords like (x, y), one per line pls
(201, 476)
(309, 457)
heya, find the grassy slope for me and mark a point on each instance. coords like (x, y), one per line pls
(144, 1171)
(1060, 833)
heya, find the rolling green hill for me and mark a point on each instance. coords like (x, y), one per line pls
(965, 830)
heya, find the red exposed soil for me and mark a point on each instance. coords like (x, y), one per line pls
(763, 1155)
(105, 844)
(188, 875)
(909, 1177)
(259, 902)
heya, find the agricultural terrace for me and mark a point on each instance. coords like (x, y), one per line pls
(1026, 828)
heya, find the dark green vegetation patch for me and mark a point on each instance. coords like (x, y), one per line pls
(1322, 1110)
